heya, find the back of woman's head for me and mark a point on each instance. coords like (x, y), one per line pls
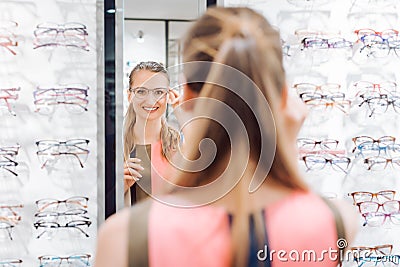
(245, 52)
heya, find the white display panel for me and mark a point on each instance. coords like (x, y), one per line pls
(67, 56)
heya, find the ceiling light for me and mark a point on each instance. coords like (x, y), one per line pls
(140, 37)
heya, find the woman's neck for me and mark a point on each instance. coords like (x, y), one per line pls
(268, 193)
(147, 132)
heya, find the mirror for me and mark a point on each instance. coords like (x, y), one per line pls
(154, 34)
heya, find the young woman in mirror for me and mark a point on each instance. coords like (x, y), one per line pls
(145, 125)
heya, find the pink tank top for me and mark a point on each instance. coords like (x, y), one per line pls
(201, 236)
(160, 168)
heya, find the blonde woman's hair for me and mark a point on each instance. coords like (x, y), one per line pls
(241, 39)
(169, 136)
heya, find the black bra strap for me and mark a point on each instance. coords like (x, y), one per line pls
(259, 247)
(266, 242)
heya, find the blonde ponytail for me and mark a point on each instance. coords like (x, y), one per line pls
(169, 139)
(129, 135)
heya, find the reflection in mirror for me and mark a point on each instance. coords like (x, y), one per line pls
(151, 131)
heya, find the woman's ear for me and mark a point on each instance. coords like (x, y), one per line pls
(130, 95)
(293, 111)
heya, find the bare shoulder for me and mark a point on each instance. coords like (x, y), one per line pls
(120, 221)
(350, 218)
(112, 241)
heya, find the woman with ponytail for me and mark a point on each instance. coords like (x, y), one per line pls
(239, 198)
(145, 123)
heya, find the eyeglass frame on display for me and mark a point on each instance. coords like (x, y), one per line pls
(378, 39)
(373, 32)
(387, 160)
(303, 150)
(374, 214)
(338, 104)
(8, 35)
(14, 216)
(59, 259)
(319, 96)
(379, 46)
(9, 96)
(57, 202)
(11, 150)
(362, 148)
(61, 91)
(315, 142)
(59, 144)
(383, 97)
(326, 160)
(379, 205)
(375, 248)
(377, 259)
(10, 261)
(70, 212)
(374, 85)
(8, 163)
(316, 88)
(8, 227)
(352, 194)
(55, 225)
(391, 139)
(373, 94)
(61, 28)
(7, 43)
(305, 43)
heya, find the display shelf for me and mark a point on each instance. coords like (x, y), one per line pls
(57, 45)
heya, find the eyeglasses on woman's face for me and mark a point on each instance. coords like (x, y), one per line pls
(143, 92)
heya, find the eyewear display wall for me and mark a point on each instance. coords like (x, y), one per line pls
(51, 104)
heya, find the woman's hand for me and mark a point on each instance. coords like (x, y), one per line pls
(132, 174)
(174, 98)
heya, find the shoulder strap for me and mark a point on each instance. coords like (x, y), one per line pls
(138, 235)
(259, 246)
(341, 235)
(338, 219)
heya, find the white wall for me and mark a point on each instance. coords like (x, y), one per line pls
(163, 9)
(153, 47)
